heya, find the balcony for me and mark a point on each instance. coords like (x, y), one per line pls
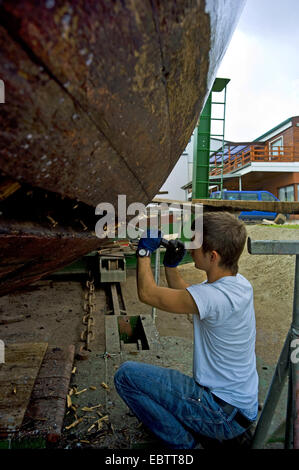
(235, 159)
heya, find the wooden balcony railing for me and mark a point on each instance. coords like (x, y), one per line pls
(253, 153)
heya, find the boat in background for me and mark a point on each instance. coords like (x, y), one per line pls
(101, 98)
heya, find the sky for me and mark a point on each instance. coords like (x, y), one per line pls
(262, 63)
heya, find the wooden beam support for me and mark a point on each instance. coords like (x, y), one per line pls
(267, 206)
(17, 377)
(227, 205)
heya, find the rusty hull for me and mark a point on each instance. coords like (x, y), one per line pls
(101, 98)
(28, 254)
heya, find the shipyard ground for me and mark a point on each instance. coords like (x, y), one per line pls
(52, 312)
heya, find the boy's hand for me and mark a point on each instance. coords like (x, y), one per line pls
(174, 254)
(150, 240)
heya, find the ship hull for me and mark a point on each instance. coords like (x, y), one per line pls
(101, 99)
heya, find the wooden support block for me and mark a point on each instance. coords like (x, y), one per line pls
(282, 207)
(45, 413)
(17, 377)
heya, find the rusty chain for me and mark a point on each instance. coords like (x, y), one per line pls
(87, 335)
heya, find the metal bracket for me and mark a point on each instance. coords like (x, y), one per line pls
(284, 366)
(272, 247)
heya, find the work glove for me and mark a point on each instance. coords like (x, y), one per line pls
(174, 254)
(150, 240)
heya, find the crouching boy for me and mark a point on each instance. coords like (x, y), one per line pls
(220, 401)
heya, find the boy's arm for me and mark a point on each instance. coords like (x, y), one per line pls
(174, 279)
(163, 298)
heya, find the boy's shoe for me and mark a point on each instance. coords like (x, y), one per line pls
(243, 441)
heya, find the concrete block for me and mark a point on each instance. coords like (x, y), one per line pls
(112, 269)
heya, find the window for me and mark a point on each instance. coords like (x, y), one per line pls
(286, 193)
(249, 197)
(267, 197)
(232, 196)
(275, 144)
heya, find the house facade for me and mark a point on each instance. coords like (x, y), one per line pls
(271, 162)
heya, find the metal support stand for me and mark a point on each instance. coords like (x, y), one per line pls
(288, 363)
(157, 267)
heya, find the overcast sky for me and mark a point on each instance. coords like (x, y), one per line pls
(262, 62)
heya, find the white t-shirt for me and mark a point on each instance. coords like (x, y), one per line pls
(224, 340)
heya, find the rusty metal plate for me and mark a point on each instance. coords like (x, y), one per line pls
(26, 256)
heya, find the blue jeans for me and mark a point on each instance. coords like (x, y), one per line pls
(173, 406)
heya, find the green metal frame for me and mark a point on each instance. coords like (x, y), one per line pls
(202, 138)
(201, 153)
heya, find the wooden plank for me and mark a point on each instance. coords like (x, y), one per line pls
(159, 200)
(6, 319)
(8, 187)
(46, 409)
(17, 377)
(267, 206)
(112, 335)
(115, 299)
(221, 204)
